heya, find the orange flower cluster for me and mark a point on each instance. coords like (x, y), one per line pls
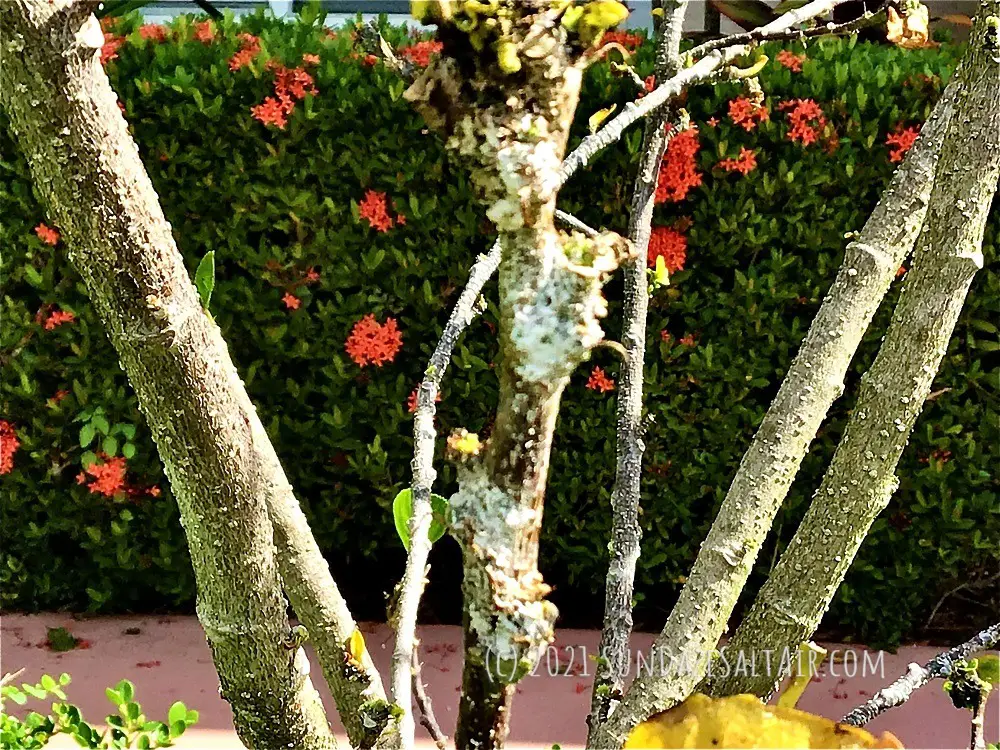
(745, 163)
(153, 32)
(901, 141)
(791, 61)
(310, 59)
(112, 42)
(746, 114)
(372, 343)
(598, 381)
(249, 49)
(687, 340)
(47, 234)
(668, 243)
(204, 32)
(373, 210)
(57, 318)
(291, 301)
(290, 86)
(8, 446)
(807, 120)
(107, 478)
(626, 39)
(678, 170)
(420, 54)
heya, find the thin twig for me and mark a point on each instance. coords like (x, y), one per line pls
(424, 434)
(917, 676)
(10, 677)
(574, 223)
(960, 587)
(758, 36)
(427, 718)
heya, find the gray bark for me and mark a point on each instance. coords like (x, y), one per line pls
(861, 477)
(88, 172)
(612, 666)
(813, 382)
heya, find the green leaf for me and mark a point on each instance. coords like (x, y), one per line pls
(204, 278)
(178, 712)
(988, 669)
(402, 511)
(60, 639)
(87, 433)
(110, 446)
(127, 689)
(114, 696)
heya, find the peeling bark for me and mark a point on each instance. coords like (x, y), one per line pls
(625, 531)
(861, 477)
(87, 170)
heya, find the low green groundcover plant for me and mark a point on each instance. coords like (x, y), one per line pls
(128, 727)
(332, 237)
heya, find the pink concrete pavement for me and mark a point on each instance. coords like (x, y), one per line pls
(168, 660)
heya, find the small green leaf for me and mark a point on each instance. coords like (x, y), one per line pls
(178, 712)
(110, 446)
(87, 433)
(204, 278)
(402, 511)
(988, 669)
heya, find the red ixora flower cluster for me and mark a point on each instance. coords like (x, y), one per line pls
(745, 163)
(8, 446)
(204, 32)
(420, 54)
(746, 114)
(678, 170)
(109, 478)
(806, 118)
(153, 32)
(373, 209)
(670, 244)
(598, 381)
(290, 86)
(791, 61)
(626, 39)
(112, 43)
(373, 343)
(47, 234)
(900, 141)
(57, 318)
(249, 49)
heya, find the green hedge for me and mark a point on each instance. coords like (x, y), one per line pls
(274, 203)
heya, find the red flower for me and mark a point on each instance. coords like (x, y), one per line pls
(57, 318)
(687, 340)
(310, 59)
(293, 83)
(271, 112)
(712, 122)
(901, 271)
(626, 39)
(598, 381)
(312, 275)
(807, 120)
(420, 54)
(665, 336)
(47, 234)
(59, 396)
(107, 478)
(901, 141)
(373, 210)
(745, 163)
(8, 446)
(746, 114)
(411, 400)
(791, 61)
(249, 48)
(291, 301)
(668, 243)
(109, 51)
(153, 32)
(678, 171)
(372, 343)
(204, 32)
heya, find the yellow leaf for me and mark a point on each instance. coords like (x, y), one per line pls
(742, 721)
(909, 31)
(356, 648)
(809, 658)
(600, 116)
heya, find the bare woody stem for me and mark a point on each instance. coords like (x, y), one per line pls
(88, 172)
(424, 433)
(861, 477)
(427, 717)
(625, 531)
(917, 676)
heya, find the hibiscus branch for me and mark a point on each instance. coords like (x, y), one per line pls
(424, 434)
(917, 676)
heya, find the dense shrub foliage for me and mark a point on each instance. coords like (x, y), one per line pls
(341, 237)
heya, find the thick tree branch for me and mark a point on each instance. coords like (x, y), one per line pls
(88, 171)
(861, 477)
(625, 531)
(917, 676)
